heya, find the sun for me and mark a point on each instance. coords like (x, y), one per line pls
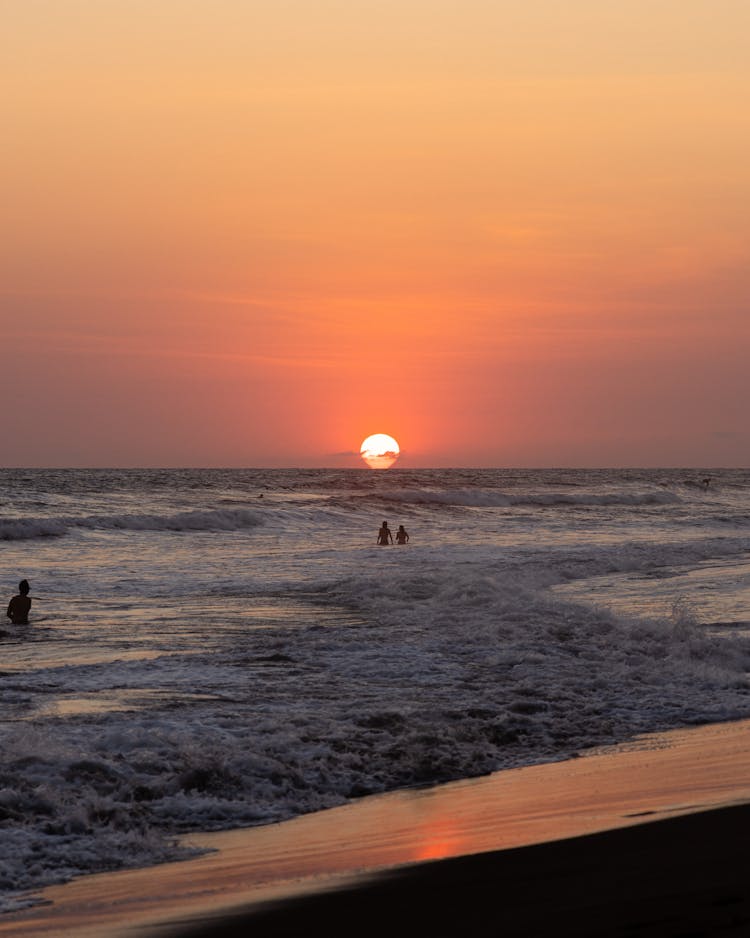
(379, 451)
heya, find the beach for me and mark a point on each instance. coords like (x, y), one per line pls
(199, 675)
(685, 876)
(646, 838)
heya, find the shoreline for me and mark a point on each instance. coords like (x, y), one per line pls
(478, 823)
(680, 877)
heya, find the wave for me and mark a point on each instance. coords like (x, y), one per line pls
(478, 498)
(237, 519)
(20, 529)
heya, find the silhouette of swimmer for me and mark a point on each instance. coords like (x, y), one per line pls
(401, 536)
(18, 607)
(384, 534)
(705, 483)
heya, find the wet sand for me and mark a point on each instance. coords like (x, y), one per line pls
(529, 858)
(679, 878)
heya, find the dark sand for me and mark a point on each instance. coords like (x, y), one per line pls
(647, 839)
(685, 876)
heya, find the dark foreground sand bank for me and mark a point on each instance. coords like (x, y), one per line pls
(650, 838)
(686, 876)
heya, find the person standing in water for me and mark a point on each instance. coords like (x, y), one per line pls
(18, 607)
(384, 534)
(401, 536)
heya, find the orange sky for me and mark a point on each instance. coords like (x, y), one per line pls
(252, 233)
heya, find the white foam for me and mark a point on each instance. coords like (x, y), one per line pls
(448, 670)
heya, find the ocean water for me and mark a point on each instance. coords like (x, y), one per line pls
(221, 648)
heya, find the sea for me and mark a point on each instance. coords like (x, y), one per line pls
(212, 649)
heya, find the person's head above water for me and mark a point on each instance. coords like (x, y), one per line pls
(23, 587)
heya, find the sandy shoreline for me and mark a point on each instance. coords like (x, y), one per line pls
(706, 769)
(683, 877)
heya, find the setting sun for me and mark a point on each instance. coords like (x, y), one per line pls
(379, 451)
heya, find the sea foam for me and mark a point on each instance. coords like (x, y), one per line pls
(438, 671)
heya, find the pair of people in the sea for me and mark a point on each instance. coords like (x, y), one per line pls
(386, 537)
(18, 607)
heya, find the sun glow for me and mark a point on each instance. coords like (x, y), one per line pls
(379, 451)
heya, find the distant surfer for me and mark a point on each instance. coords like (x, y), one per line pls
(705, 483)
(384, 534)
(401, 536)
(18, 607)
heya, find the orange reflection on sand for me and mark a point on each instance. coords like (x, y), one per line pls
(441, 839)
(436, 850)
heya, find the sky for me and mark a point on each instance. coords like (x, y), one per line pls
(254, 232)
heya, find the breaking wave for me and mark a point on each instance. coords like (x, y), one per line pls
(494, 499)
(17, 529)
